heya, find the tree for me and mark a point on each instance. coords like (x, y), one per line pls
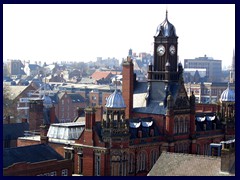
(8, 103)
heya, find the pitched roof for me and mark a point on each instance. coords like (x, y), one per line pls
(14, 130)
(97, 75)
(16, 90)
(177, 164)
(33, 67)
(31, 154)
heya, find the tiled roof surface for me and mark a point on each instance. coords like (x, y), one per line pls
(97, 75)
(31, 154)
(16, 90)
(177, 164)
(14, 130)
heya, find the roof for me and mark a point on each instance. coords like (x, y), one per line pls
(155, 101)
(33, 67)
(97, 75)
(228, 95)
(16, 90)
(178, 164)
(30, 154)
(86, 80)
(115, 100)
(14, 130)
(166, 29)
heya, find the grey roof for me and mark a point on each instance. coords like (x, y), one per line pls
(177, 164)
(14, 130)
(31, 154)
(33, 67)
(115, 100)
(155, 102)
(228, 95)
(166, 29)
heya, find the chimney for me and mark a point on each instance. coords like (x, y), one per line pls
(43, 133)
(99, 113)
(89, 124)
(35, 114)
(89, 118)
(52, 114)
(127, 86)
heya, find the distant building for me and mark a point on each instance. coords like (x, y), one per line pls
(213, 67)
(31, 69)
(207, 92)
(15, 67)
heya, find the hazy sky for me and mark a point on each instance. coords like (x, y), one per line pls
(80, 32)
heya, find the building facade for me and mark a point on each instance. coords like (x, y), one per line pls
(213, 67)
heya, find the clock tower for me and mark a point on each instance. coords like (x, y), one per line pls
(165, 53)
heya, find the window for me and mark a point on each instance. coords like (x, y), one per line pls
(53, 173)
(141, 161)
(131, 163)
(80, 163)
(154, 156)
(68, 154)
(97, 165)
(65, 172)
(62, 102)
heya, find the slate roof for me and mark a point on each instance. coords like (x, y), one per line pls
(16, 90)
(177, 164)
(31, 154)
(14, 130)
(33, 67)
(156, 100)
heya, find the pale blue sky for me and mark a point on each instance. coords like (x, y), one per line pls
(81, 32)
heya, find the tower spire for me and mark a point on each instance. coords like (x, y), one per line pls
(166, 13)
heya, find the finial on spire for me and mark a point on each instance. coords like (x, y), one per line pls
(166, 13)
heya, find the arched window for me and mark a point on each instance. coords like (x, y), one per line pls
(115, 165)
(131, 163)
(141, 161)
(182, 125)
(176, 126)
(124, 164)
(154, 157)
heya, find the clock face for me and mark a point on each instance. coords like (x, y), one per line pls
(172, 50)
(160, 50)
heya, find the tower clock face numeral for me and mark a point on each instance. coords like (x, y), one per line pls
(160, 50)
(172, 50)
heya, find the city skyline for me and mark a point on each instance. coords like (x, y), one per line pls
(83, 32)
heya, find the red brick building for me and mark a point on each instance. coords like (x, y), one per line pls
(126, 137)
(35, 160)
(66, 108)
